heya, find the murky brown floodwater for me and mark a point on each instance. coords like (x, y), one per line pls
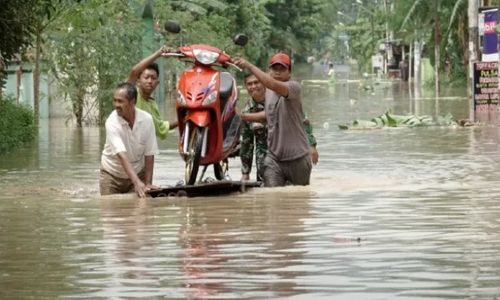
(423, 201)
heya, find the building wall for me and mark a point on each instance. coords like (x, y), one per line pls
(24, 95)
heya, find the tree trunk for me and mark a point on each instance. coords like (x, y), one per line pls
(36, 79)
(78, 107)
(410, 65)
(417, 74)
(102, 117)
(2, 66)
(417, 64)
(437, 45)
(103, 96)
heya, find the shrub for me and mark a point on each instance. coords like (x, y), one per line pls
(16, 125)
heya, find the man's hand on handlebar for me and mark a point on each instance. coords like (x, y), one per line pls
(241, 62)
(167, 51)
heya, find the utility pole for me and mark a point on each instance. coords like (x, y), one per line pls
(473, 52)
(387, 43)
(437, 45)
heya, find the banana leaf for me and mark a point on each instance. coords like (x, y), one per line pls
(391, 120)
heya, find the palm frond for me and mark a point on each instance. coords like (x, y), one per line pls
(215, 4)
(199, 7)
(452, 19)
(454, 13)
(410, 13)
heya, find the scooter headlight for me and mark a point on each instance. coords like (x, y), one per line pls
(180, 98)
(210, 98)
(205, 57)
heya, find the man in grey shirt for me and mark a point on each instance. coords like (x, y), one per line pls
(288, 159)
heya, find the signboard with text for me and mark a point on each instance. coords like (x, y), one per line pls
(490, 38)
(486, 96)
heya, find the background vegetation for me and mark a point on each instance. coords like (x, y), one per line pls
(16, 125)
(90, 45)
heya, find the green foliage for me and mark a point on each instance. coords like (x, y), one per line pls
(296, 24)
(17, 20)
(271, 25)
(415, 20)
(362, 25)
(16, 125)
(20, 21)
(198, 7)
(251, 19)
(91, 47)
(389, 119)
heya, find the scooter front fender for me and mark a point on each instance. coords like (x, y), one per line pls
(200, 118)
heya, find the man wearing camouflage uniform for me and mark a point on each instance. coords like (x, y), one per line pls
(253, 135)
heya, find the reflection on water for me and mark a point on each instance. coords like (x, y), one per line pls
(422, 201)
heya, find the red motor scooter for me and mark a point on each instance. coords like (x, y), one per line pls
(208, 123)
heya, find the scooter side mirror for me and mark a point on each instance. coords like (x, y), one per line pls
(172, 26)
(240, 40)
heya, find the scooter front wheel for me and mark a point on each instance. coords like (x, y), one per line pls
(193, 154)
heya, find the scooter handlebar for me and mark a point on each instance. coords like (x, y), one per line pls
(234, 66)
(180, 54)
(172, 54)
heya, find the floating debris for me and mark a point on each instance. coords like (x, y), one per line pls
(391, 120)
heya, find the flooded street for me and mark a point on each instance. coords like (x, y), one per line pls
(393, 213)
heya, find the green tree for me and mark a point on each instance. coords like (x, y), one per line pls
(46, 11)
(442, 25)
(17, 24)
(247, 17)
(90, 48)
(271, 25)
(17, 20)
(297, 26)
(16, 125)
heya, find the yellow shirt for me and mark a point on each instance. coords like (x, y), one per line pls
(150, 106)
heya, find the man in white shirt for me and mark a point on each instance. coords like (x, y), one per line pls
(127, 159)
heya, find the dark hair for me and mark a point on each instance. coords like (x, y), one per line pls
(246, 75)
(154, 67)
(130, 89)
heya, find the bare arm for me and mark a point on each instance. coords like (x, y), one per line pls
(266, 79)
(254, 117)
(140, 187)
(314, 154)
(173, 124)
(149, 163)
(140, 66)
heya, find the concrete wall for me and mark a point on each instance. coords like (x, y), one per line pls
(24, 95)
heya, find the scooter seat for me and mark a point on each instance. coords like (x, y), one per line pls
(226, 87)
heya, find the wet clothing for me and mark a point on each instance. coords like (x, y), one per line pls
(150, 106)
(253, 136)
(138, 142)
(109, 184)
(281, 173)
(286, 138)
(288, 160)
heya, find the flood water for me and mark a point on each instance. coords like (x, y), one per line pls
(395, 213)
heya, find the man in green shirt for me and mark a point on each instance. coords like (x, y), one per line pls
(145, 75)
